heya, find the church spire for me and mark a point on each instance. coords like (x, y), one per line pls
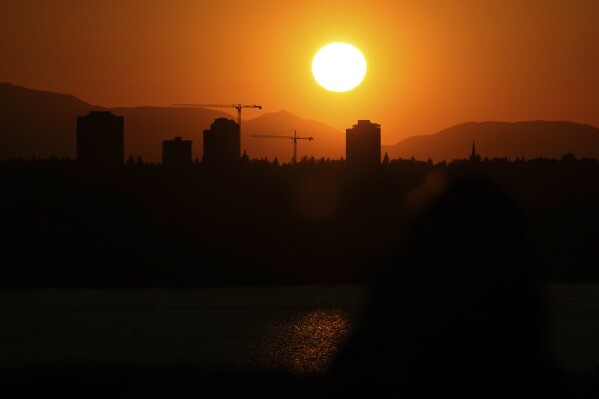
(473, 155)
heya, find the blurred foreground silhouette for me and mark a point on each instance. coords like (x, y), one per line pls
(458, 311)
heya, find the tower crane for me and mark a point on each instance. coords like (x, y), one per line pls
(238, 107)
(295, 138)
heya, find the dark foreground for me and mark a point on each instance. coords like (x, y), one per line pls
(278, 341)
(455, 306)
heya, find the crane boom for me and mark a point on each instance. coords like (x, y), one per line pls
(272, 136)
(238, 107)
(294, 138)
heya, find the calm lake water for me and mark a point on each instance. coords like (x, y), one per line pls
(296, 329)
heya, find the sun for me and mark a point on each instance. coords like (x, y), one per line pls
(339, 67)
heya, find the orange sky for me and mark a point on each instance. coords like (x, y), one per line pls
(431, 64)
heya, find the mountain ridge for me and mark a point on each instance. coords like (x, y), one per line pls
(43, 123)
(522, 139)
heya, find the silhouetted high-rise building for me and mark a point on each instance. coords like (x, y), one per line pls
(176, 153)
(363, 144)
(222, 143)
(100, 140)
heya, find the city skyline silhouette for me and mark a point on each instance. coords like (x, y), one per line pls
(29, 133)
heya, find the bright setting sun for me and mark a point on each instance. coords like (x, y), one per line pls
(339, 67)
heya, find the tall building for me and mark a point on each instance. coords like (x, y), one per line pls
(176, 153)
(100, 140)
(222, 143)
(363, 144)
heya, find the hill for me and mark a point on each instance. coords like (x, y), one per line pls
(38, 123)
(531, 139)
(43, 124)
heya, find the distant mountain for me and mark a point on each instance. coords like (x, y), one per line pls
(502, 139)
(38, 123)
(41, 123)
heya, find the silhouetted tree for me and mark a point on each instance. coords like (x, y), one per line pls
(386, 159)
(48, 198)
(130, 162)
(245, 159)
(568, 158)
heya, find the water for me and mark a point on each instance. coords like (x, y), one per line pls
(295, 329)
(573, 313)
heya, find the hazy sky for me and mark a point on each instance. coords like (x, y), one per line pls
(431, 64)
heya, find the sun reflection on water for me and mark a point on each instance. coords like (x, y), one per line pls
(307, 344)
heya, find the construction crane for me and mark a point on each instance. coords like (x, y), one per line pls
(294, 138)
(238, 107)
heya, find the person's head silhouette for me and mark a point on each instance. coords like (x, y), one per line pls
(458, 309)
